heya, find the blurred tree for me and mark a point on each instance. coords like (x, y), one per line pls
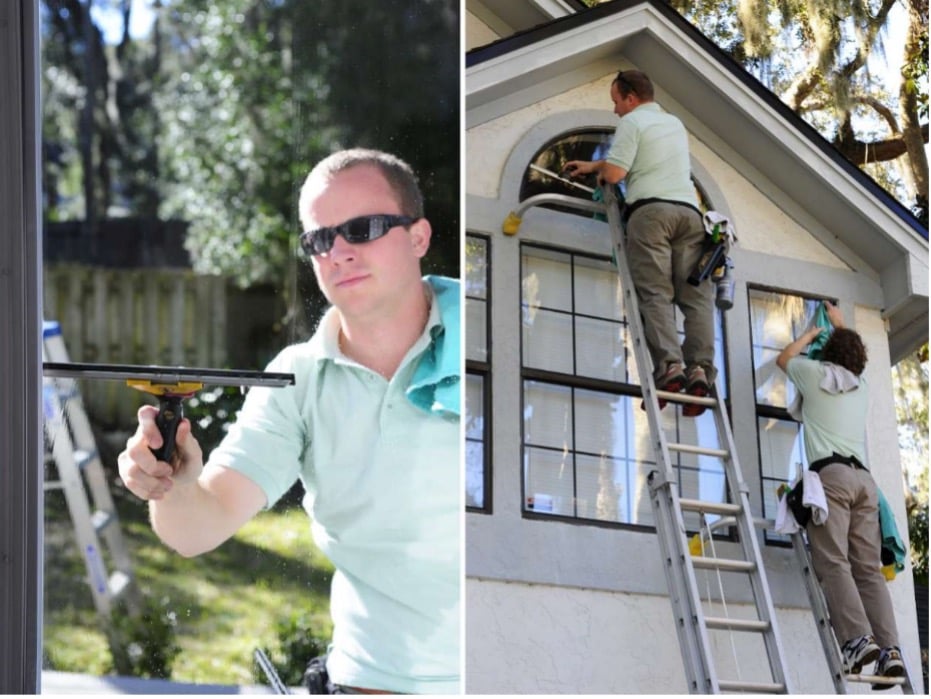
(216, 117)
(814, 55)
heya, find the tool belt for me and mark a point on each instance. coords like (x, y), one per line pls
(630, 208)
(836, 458)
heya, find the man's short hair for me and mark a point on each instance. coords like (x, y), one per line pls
(634, 81)
(399, 175)
(845, 348)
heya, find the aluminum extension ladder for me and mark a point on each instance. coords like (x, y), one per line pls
(692, 624)
(70, 444)
(829, 643)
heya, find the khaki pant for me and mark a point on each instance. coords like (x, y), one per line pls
(845, 551)
(663, 244)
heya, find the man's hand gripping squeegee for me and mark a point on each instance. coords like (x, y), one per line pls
(170, 384)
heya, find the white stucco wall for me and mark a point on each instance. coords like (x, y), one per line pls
(535, 639)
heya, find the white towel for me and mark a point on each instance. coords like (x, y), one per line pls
(785, 520)
(813, 497)
(837, 379)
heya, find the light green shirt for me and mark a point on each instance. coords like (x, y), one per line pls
(383, 490)
(833, 422)
(653, 147)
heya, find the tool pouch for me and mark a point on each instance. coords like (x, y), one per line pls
(794, 497)
(316, 678)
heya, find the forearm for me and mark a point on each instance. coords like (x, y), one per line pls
(196, 517)
(794, 348)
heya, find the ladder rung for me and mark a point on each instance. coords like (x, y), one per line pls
(118, 583)
(728, 564)
(53, 485)
(686, 398)
(717, 622)
(695, 449)
(82, 457)
(716, 508)
(757, 687)
(876, 679)
(101, 519)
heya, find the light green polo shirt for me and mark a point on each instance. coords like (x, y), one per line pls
(653, 147)
(833, 422)
(384, 493)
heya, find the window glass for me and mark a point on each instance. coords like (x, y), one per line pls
(776, 319)
(586, 441)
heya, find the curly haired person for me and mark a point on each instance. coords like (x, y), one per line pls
(845, 550)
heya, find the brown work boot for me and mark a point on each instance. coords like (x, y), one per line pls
(696, 385)
(672, 380)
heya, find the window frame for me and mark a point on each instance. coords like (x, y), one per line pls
(20, 355)
(587, 383)
(483, 370)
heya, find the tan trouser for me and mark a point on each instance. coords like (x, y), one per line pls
(663, 244)
(845, 551)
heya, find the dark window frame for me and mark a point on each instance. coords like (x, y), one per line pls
(483, 370)
(575, 382)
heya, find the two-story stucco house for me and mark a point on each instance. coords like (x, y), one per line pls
(565, 587)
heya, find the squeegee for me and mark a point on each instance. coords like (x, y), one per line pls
(171, 385)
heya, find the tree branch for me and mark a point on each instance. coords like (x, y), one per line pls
(862, 152)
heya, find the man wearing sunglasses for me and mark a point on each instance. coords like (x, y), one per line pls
(371, 428)
(664, 234)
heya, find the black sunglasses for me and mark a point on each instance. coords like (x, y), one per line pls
(356, 230)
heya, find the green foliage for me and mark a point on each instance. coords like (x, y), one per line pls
(222, 604)
(144, 644)
(918, 537)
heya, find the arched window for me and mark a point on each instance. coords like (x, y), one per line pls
(584, 144)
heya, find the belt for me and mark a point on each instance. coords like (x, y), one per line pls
(630, 208)
(836, 458)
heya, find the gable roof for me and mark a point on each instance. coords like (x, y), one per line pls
(743, 121)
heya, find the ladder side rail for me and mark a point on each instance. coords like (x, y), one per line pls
(76, 414)
(664, 492)
(759, 583)
(79, 508)
(819, 609)
(691, 628)
(70, 411)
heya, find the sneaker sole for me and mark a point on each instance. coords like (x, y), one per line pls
(699, 390)
(896, 670)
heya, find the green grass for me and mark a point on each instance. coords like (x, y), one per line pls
(225, 603)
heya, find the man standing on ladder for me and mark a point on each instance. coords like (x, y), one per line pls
(845, 549)
(664, 234)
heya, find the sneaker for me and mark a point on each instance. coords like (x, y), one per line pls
(890, 664)
(858, 652)
(696, 385)
(672, 380)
